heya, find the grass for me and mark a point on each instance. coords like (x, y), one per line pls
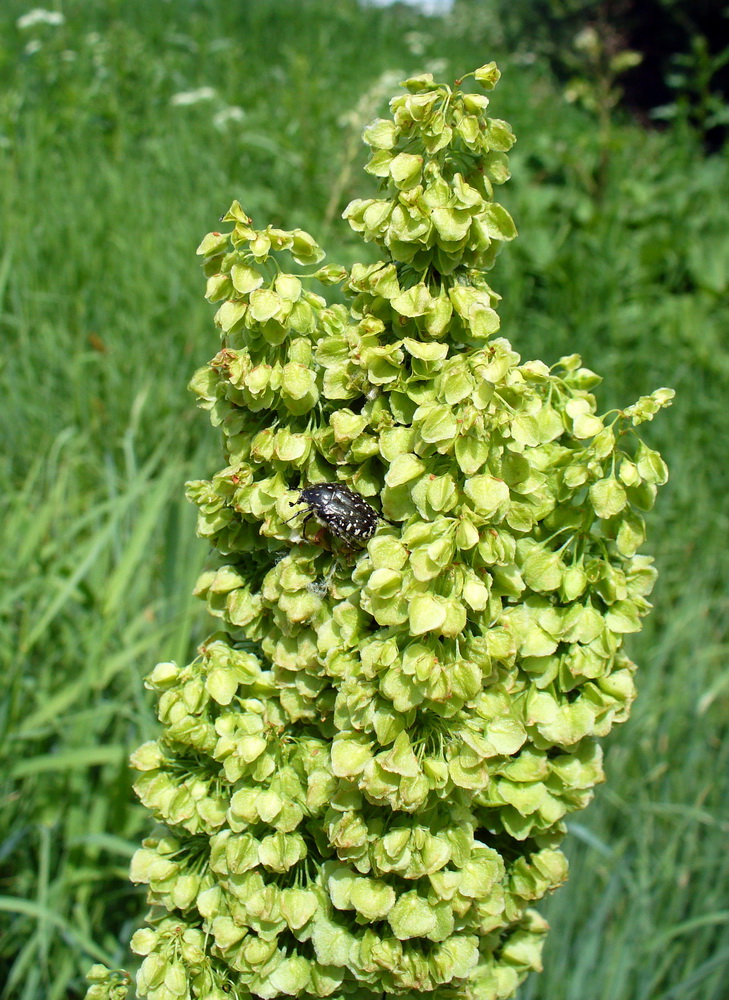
(105, 190)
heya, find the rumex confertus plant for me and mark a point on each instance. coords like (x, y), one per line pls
(362, 779)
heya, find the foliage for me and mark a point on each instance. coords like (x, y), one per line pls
(363, 778)
(699, 100)
(102, 320)
(679, 46)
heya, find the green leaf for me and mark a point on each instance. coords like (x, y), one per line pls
(412, 916)
(297, 381)
(386, 551)
(608, 497)
(587, 425)
(385, 582)
(292, 976)
(438, 316)
(498, 135)
(651, 466)
(379, 163)
(221, 684)
(304, 248)
(403, 469)
(483, 322)
(415, 301)
(631, 535)
(498, 223)
(623, 617)
(487, 75)
(349, 757)
(468, 129)
(347, 426)
(647, 406)
(455, 619)
(475, 593)
(382, 133)
(525, 430)
(333, 944)
(405, 170)
(466, 534)
(584, 421)
(542, 569)
(490, 496)
(218, 287)
(439, 423)
(427, 351)
(427, 613)
(288, 287)
(231, 314)
(441, 493)
(574, 581)
(264, 303)
(507, 736)
(400, 759)
(245, 278)
(372, 899)
(212, 244)
(452, 224)
(471, 453)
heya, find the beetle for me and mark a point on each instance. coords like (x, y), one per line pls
(344, 512)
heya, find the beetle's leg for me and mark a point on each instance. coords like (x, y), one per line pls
(294, 503)
(308, 517)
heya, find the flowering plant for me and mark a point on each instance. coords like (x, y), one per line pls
(363, 777)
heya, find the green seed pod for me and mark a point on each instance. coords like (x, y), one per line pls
(365, 775)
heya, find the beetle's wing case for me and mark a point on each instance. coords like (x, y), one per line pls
(345, 512)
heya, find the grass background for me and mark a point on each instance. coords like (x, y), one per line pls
(106, 187)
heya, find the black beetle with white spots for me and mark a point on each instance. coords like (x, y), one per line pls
(343, 511)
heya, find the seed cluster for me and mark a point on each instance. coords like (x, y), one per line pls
(364, 776)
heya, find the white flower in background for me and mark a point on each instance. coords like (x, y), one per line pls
(416, 42)
(40, 16)
(424, 6)
(186, 97)
(438, 67)
(227, 115)
(32, 47)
